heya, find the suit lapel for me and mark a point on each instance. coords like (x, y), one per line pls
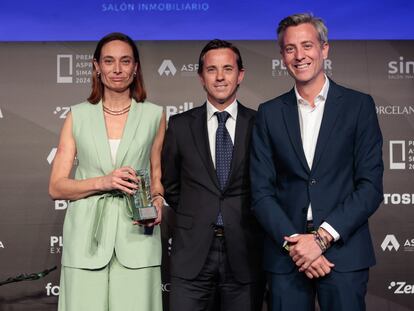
(129, 132)
(330, 115)
(100, 137)
(291, 117)
(200, 136)
(241, 138)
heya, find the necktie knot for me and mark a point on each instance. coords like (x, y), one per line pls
(222, 116)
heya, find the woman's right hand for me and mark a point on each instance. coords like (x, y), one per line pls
(123, 178)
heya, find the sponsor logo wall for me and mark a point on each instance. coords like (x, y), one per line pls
(35, 101)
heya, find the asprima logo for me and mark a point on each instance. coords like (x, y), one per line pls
(401, 154)
(400, 69)
(401, 288)
(1, 244)
(169, 69)
(279, 69)
(1, 114)
(75, 68)
(391, 243)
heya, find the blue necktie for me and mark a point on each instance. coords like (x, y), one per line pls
(224, 154)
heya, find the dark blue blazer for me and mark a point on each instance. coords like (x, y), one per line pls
(344, 185)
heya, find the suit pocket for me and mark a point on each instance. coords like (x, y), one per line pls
(183, 221)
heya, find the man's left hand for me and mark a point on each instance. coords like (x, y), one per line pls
(319, 268)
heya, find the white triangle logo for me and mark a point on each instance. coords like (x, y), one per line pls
(390, 242)
(167, 67)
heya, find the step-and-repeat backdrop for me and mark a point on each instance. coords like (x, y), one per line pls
(40, 81)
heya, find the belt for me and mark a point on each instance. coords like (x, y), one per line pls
(218, 231)
(99, 214)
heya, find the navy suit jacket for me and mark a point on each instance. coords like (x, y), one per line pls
(344, 185)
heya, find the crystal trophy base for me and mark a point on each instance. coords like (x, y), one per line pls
(144, 213)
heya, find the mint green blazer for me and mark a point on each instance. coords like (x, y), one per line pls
(97, 225)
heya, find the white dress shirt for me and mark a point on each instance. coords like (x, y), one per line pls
(212, 125)
(310, 119)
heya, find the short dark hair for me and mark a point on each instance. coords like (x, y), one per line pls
(219, 44)
(136, 88)
(302, 18)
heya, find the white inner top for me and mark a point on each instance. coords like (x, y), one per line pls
(114, 144)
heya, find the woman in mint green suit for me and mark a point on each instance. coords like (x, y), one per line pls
(110, 263)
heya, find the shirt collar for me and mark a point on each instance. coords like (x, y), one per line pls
(321, 97)
(231, 109)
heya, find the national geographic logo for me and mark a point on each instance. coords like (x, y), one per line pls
(401, 288)
(398, 198)
(169, 69)
(395, 110)
(172, 110)
(401, 154)
(52, 290)
(61, 112)
(56, 244)
(279, 69)
(400, 69)
(164, 7)
(74, 68)
(391, 243)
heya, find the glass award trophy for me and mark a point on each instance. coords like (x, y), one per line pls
(142, 208)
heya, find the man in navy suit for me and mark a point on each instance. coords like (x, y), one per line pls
(316, 176)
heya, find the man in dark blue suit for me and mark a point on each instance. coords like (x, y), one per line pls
(316, 175)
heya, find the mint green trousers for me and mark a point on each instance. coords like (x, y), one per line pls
(112, 288)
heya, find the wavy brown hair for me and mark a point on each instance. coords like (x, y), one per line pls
(136, 88)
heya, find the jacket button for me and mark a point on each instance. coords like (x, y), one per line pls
(312, 182)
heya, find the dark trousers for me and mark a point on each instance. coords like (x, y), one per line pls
(215, 277)
(337, 291)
